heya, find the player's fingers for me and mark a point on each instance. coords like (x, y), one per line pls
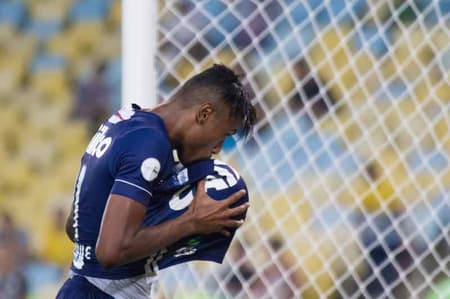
(201, 186)
(234, 197)
(234, 223)
(237, 210)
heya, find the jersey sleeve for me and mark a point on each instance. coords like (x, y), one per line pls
(141, 156)
(211, 247)
(218, 243)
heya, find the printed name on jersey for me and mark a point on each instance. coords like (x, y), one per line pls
(99, 143)
(150, 168)
(81, 253)
(183, 251)
(151, 265)
(76, 209)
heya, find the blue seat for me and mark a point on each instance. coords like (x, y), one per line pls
(214, 8)
(38, 275)
(420, 161)
(431, 220)
(113, 79)
(44, 29)
(12, 12)
(89, 10)
(299, 13)
(444, 7)
(375, 38)
(44, 61)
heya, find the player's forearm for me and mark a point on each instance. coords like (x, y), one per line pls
(122, 239)
(150, 239)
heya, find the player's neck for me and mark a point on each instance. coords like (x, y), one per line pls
(173, 119)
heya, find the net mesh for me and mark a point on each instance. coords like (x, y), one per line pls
(348, 166)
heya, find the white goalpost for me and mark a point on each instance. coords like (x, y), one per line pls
(348, 168)
(139, 24)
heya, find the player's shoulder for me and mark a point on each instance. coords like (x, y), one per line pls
(137, 143)
(138, 126)
(144, 135)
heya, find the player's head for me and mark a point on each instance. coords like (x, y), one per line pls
(216, 105)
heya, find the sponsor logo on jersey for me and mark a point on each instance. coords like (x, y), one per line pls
(183, 251)
(150, 168)
(183, 176)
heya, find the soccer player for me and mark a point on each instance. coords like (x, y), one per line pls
(221, 181)
(122, 175)
(174, 197)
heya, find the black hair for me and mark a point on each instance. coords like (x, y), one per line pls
(221, 82)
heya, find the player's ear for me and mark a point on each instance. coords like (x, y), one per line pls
(204, 112)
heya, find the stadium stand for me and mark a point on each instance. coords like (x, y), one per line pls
(46, 48)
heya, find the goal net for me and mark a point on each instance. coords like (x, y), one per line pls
(348, 166)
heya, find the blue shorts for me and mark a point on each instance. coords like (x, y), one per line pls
(78, 287)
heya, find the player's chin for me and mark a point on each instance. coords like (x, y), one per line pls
(184, 157)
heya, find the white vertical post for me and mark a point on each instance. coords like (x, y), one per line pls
(139, 29)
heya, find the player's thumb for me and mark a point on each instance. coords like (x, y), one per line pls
(201, 186)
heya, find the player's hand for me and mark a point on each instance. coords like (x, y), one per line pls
(210, 216)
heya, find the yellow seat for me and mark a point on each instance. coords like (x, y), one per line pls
(56, 246)
(441, 128)
(439, 38)
(12, 72)
(115, 14)
(82, 65)
(287, 216)
(82, 45)
(7, 33)
(110, 46)
(14, 176)
(48, 9)
(51, 83)
(85, 36)
(25, 97)
(24, 46)
(332, 58)
(73, 137)
(183, 69)
(412, 52)
(10, 129)
(46, 116)
(442, 90)
(63, 44)
(8, 83)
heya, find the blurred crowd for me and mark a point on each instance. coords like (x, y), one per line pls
(348, 166)
(59, 77)
(349, 163)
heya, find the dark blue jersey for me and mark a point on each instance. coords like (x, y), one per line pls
(174, 200)
(131, 156)
(128, 156)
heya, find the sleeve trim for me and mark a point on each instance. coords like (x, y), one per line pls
(134, 185)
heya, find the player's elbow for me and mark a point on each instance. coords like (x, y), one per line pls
(69, 227)
(107, 256)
